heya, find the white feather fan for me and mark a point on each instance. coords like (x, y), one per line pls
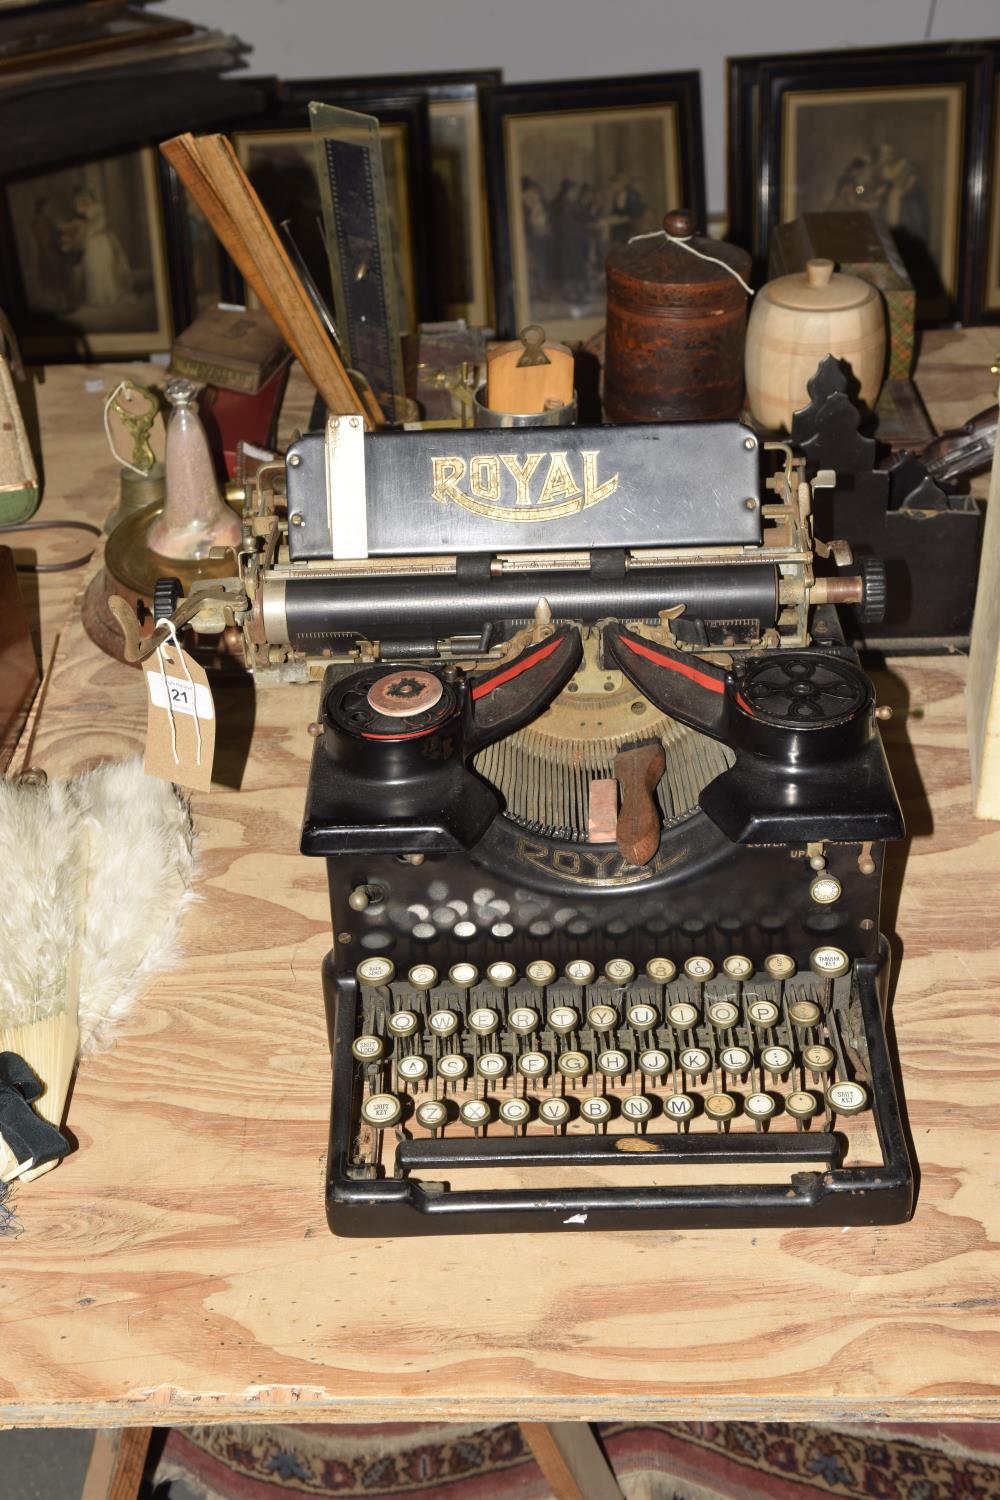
(93, 875)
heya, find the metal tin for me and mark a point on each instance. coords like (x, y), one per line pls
(675, 328)
(560, 416)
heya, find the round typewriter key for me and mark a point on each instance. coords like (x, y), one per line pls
(720, 1107)
(443, 1022)
(723, 1014)
(381, 1110)
(735, 1060)
(491, 1065)
(367, 1048)
(524, 1020)
(432, 1114)
(637, 1108)
(580, 971)
(515, 1111)
(777, 1060)
(564, 1019)
(779, 966)
(818, 1059)
(682, 1016)
(596, 1109)
(763, 1012)
(375, 971)
(619, 970)
(603, 1017)
(474, 1112)
(423, 976)
(760, 1106)
(829, 961)
(804, 1013)
(554, 1111)
(453, 1065)
(699, 968)
(801, 1105)
(413, 1069)
(403, 1022)
(678, 1106)
(533, 1064)
(737, 967)
(501, 974)
(573, 1064)
(661, 970)
(695, 1060)
(463, 975)
(484, 1021)
(540, 972)
(612, 1063)
(653, 1062)
(825, 889)
(846, 1098)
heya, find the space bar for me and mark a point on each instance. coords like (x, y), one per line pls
(603, 1150)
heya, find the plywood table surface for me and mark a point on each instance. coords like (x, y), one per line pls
(177, 1268)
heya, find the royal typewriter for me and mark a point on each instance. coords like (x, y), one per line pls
(603, 803)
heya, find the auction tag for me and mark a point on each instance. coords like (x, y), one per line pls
(180, 724)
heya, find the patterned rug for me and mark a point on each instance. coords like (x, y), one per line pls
(652, 1461)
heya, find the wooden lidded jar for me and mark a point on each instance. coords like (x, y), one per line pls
(796, 322)
(674, 338)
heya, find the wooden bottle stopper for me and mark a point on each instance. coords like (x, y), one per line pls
(529, 375)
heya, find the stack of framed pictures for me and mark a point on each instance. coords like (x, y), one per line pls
(910, 132)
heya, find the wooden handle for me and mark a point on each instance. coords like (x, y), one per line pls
(819, 272)
(637, 771)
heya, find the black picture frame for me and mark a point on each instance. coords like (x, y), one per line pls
(461, 276)
(405, 118)
(763, 97)
(568, 298)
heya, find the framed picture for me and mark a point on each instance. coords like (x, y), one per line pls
(201, 273)
(990, 278)
(460, 276)
(900, 132)
(278, 156)
(85, 272)
(573, 169)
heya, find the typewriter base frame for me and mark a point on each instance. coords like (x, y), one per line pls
(840, 1196)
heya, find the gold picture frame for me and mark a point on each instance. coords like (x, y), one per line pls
(991, 288)
(895, 149)
(290, 189)
(463, 290)
(87, 273)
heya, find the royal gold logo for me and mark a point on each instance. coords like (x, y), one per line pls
(597, 867)
(505, 489)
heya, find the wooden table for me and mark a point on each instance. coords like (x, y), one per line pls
(178, 1269)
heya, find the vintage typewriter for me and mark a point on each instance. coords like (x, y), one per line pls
(603, 804)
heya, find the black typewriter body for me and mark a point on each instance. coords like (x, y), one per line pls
(605, 890)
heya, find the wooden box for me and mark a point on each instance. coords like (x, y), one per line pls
(228, 347)
(18, 666)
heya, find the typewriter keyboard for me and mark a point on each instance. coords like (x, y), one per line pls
(681, 1048)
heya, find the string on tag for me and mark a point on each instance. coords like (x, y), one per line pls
(121, 386)
(171, 630)
(685, 244)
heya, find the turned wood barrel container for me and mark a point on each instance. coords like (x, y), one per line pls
(796, 322)
(674, 338)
